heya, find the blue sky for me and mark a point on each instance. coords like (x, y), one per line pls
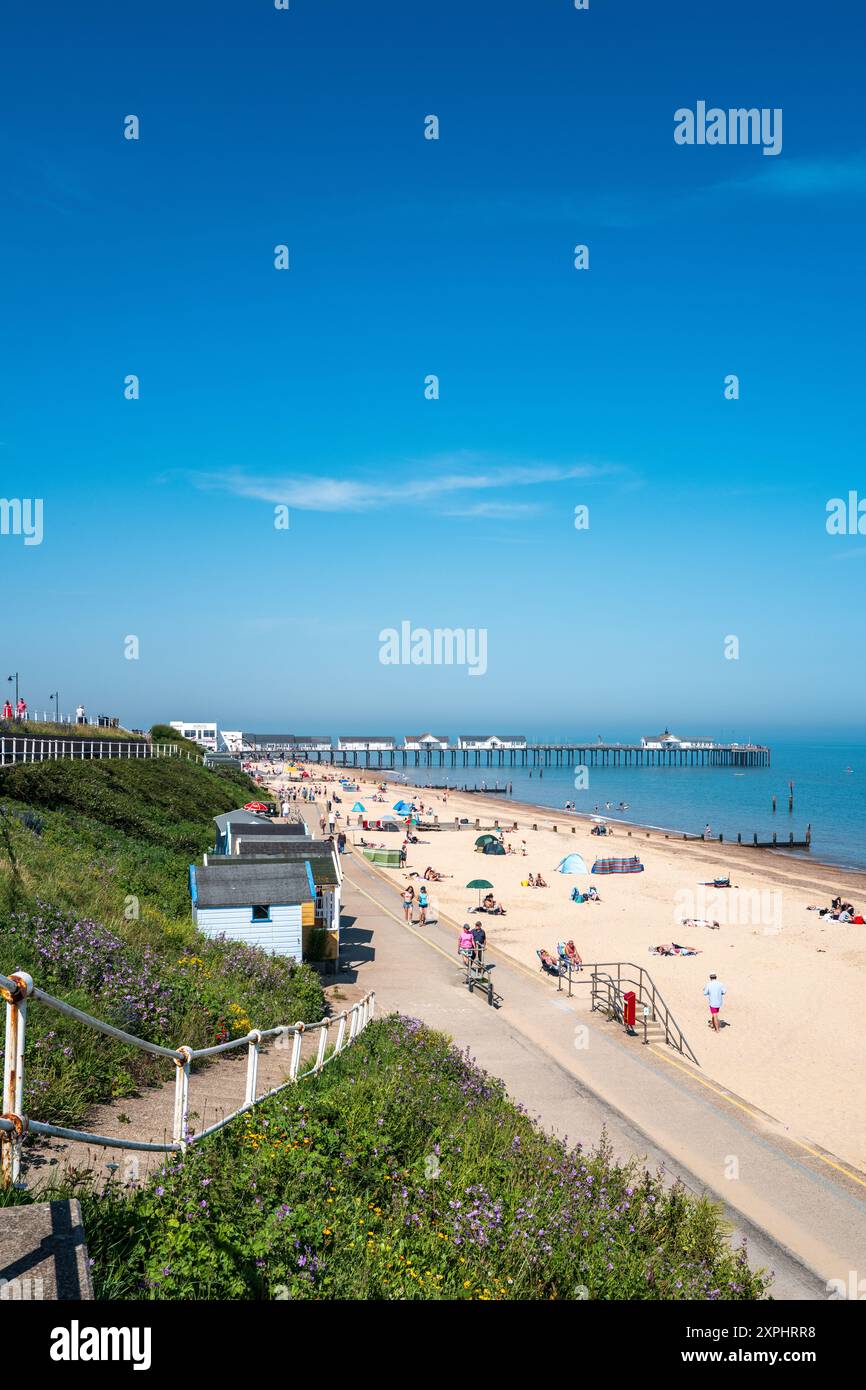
(408, 257)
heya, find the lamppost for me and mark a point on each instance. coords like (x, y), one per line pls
(56, 698)
(15, 679)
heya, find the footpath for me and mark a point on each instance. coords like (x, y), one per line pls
(802, 1211)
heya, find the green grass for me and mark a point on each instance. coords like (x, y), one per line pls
(404, 1172)
(94, 903)
(36, 728)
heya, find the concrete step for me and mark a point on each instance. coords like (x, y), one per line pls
(43, 1253)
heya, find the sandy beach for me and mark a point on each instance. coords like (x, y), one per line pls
(792, 1042)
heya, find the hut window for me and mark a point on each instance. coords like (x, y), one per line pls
(261, 913)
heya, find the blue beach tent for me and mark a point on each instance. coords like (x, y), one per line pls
(572, 864)
(358, 807)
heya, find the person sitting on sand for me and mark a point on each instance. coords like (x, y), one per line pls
(530, 882)
(540, 882)
(592, 895)
(431, 874)
(490, 905)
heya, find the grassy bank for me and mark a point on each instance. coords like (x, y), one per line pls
(38, 728)
(94, 903)
(404, 1172)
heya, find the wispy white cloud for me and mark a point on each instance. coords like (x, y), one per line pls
(804, 178)
(410, 482)
(623, 209)
(496, 511)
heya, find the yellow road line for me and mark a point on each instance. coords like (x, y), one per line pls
(740, 1105)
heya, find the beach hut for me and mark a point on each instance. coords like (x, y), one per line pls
(618, 866)
(262, 904)
(572, 864)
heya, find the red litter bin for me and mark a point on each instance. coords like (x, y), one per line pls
(629, 1010)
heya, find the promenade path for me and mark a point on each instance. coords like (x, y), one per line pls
(802, 1210)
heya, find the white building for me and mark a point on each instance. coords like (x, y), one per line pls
(366, 743)
(233, 740)
(491, 741)
(415, 742)
(203, 734)
(669, 740)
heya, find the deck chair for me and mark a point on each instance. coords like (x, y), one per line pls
(548, 963)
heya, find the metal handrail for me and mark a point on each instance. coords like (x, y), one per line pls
(18, 990)
(15, 748)
(647, 992)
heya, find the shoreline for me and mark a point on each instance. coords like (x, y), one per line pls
(741, 853)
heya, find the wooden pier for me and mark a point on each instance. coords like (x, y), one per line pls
(534, 755)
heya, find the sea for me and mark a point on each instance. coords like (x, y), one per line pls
(829, 793)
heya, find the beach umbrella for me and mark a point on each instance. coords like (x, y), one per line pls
(358, 807)
(255, 806)
(599, 820)
(480, 884)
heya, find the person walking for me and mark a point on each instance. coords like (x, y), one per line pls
(466, 945)
(80, 716)
(408, 900)
(479, 936)
(7, 709)
(21, 708)
(423, 904)
(715, 992)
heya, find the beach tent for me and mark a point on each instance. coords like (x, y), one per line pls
(493, 847)
(358, 807)
(403, 807)
(572, 864)
(618, 866)
(485, 840)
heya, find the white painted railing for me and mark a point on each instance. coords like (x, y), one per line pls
(36, 750)
(18, 989)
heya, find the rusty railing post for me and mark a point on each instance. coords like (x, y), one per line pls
(13, 1075)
